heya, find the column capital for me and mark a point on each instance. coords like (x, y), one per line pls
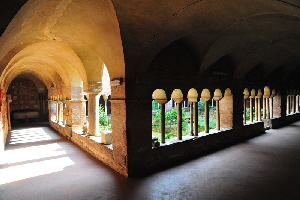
(94, 87)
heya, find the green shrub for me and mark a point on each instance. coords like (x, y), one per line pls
(104, 120)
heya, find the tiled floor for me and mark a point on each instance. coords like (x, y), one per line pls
(48, 166)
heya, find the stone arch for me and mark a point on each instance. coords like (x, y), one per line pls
(55, 55)
(64, 24)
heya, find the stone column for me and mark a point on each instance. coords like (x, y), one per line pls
(267, 108)
(264, 108)
(271, 107)
(177, 96)
(258, 108)
(293, 103)
(255, 109)
(288, 105)
(226, 110)
(76, 113)
(193, 99)
(52, 109)
(120, 136)
(94, 89)
(58, 103)
(93, 114)
(251, 109)
(279, 105)
(56, 110)
(297, 103)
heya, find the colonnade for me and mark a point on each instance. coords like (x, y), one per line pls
(193, 98)
(256, 99)
(293, 102)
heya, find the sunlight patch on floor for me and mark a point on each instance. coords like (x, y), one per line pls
(31, 153)
(21, 172)
(28, 135)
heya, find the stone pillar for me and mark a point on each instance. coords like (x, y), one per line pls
(255, 109)
(94, 89)
(288, 105)
(93, 113)
(226, 110)
(258, 108)
(60, 111)
(271, 107)
(297, 103)
(267, 108)
(120, 136)
(251, 109)
(193, 99)
(52, 108)
(293, 103)
(56, 111)
(177, 96)
(205, 96)
(277, 105)
(264, 108)
(76, 113)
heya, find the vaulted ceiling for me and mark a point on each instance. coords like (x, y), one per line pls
(244, 40)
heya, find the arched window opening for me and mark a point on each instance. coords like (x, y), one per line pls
(104, 109)
(104, 114)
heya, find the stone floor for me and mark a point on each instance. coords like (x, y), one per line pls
(38, 163)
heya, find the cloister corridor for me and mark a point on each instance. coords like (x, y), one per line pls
(39, 163)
